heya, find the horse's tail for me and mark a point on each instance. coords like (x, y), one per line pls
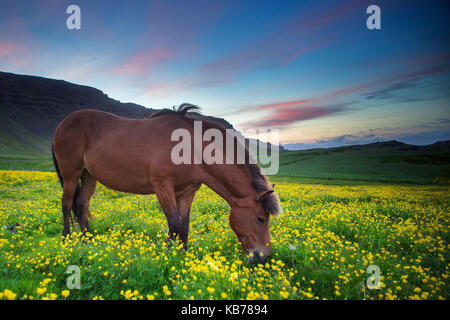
(75, 209)
(57, 168)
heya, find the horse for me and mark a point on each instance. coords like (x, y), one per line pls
(134, 156)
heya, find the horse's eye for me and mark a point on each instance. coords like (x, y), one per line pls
(260, 220)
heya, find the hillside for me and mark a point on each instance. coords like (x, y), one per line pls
(31, 108)
(390, 161)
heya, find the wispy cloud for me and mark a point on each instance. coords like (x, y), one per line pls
(143, 62)
(386, 93)
(314, 44)
(16, 55)
(283, 116)
(403, 77)
(7, 48)
(280, 105)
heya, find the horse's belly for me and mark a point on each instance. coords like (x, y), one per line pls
(119, 172)
(125, 184)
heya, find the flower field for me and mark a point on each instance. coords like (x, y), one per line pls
(323, 243)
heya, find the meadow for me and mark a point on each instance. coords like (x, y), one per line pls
(323, 244)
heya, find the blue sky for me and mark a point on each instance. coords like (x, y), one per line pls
(311, 69)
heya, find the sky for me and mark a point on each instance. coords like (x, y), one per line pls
(310, 69)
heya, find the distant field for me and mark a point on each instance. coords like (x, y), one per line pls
(389, 165)
(323, 244)
(24, 164)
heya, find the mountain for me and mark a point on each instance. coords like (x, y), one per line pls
(423, 138)
(31, 107)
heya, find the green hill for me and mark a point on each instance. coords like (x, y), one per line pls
(382, 162)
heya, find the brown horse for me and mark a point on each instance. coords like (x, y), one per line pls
(134, 155)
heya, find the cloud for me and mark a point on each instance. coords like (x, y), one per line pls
(283, 116)
(442, 122)
(143, 62)
(386, 93)
(6, 48)
(314, 44)
(280, 105)
(399, 77)
(16, 55)
(400, 82)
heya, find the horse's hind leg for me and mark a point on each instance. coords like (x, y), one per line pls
(88, 184)
(67, 202)
(165, 193)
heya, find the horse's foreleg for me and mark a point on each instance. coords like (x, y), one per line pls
(184, 203)
(166, 196)
(88, 184)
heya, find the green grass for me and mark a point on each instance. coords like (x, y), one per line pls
(377, 165)
(323, 243)
(27, 164)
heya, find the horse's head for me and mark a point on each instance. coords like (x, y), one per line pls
(249, 219)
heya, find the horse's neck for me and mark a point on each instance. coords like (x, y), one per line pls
(231, 183)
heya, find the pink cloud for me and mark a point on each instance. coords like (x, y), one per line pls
(144, 62)
(287, 116)
(281, 105)
(317, 43)
(6, 48)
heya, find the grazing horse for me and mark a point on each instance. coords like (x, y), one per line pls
(134, 156)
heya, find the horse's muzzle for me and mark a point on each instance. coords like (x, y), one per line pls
(255, 256)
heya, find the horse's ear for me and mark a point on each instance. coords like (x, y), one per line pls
(260, 196)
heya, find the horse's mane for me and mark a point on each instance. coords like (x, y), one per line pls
(182, 109)
(271, 203)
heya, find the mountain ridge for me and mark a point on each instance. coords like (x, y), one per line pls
(383, 144)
